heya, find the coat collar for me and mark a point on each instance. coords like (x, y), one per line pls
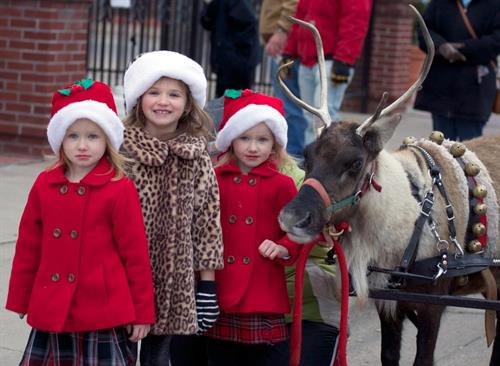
(148, 150)
(100, 175)
(266, 169)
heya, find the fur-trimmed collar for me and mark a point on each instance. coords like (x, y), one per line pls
(149, 150)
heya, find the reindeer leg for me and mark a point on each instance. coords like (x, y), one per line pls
(428, 322)
(495, 353)
(391, 329)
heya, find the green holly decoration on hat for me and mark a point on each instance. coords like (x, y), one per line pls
(234, 94)
(78, 85)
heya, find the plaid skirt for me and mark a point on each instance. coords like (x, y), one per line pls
(249, 328)
(107, 347)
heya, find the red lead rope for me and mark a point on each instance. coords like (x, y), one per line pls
(340, 358)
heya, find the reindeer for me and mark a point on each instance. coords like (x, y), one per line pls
(345, 168)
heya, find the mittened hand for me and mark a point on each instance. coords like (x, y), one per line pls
(450, 52)
(206, 305)
(340, 72)
(286, 72)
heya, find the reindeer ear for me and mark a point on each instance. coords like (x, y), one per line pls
(380, 132)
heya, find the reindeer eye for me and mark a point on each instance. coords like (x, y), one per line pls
(356, 166)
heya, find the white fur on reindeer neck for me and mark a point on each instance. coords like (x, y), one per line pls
(391, 221)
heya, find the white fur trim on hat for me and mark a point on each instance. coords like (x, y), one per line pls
(248, 117)
(151, 66)
(97, 112)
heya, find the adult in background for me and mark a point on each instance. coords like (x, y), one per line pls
(234, 42)
(343, 25)
(459, 90)
(274, 26)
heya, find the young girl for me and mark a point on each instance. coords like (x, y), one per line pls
(251, 288)
(165, 136)
(81, 270)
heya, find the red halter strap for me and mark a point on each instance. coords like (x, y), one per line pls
(318, 187)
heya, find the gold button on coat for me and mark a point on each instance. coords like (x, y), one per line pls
(73, 234)
(252, 181)
(56, 232)
(232, 219)
(81, 191)
(237, 180)
(54, 277)
(249, 220)
(230, 259)
(71, 277)
(63, 189)
(246, 260)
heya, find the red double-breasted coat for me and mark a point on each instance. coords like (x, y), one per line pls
(250, 205)
(81, 260)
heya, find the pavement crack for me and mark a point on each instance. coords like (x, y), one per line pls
(7, 242)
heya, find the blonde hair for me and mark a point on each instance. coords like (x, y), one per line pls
(279, 156)
(194, 121)
(116, 160)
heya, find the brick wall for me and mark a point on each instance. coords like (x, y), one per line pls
(42, 47)
(390, 53)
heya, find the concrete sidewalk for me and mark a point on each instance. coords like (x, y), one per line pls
(461, 339)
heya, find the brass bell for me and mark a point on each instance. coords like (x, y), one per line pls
(479, 191)
(437, 137)
(480, 209)
(471, 169)
(474, 246)
(462, 281)
(457, 149)
(409, 140)
(478, 229)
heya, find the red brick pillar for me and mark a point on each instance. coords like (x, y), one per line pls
(390, 53)
(43, 45)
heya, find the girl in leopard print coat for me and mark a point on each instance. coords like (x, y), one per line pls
(165, 141)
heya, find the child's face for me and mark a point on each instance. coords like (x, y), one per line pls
(253, 147)
(84, 144)
(163, 104)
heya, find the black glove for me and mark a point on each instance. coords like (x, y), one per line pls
(286, 72)
(450, 52)
(340, 72)
(206, 305)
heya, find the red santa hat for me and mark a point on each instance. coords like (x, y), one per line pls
(84, 99)
(151, 66)
(246, 109)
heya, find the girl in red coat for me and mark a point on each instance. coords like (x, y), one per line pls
(251, 288)
(81, 269)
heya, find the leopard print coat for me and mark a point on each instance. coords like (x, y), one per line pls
(180, 203)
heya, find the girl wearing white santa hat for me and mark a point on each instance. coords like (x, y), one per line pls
(165, 139)
(81, 269)
(252, 288)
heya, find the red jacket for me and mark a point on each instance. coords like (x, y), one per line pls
(81, 260)
(250, 205)
(342, 24)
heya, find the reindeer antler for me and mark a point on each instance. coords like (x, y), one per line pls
(361, 130)
(322, 111)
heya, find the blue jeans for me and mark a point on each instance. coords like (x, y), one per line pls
(458, 128)
(155, 350)
(310, 88)
(294, 115)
